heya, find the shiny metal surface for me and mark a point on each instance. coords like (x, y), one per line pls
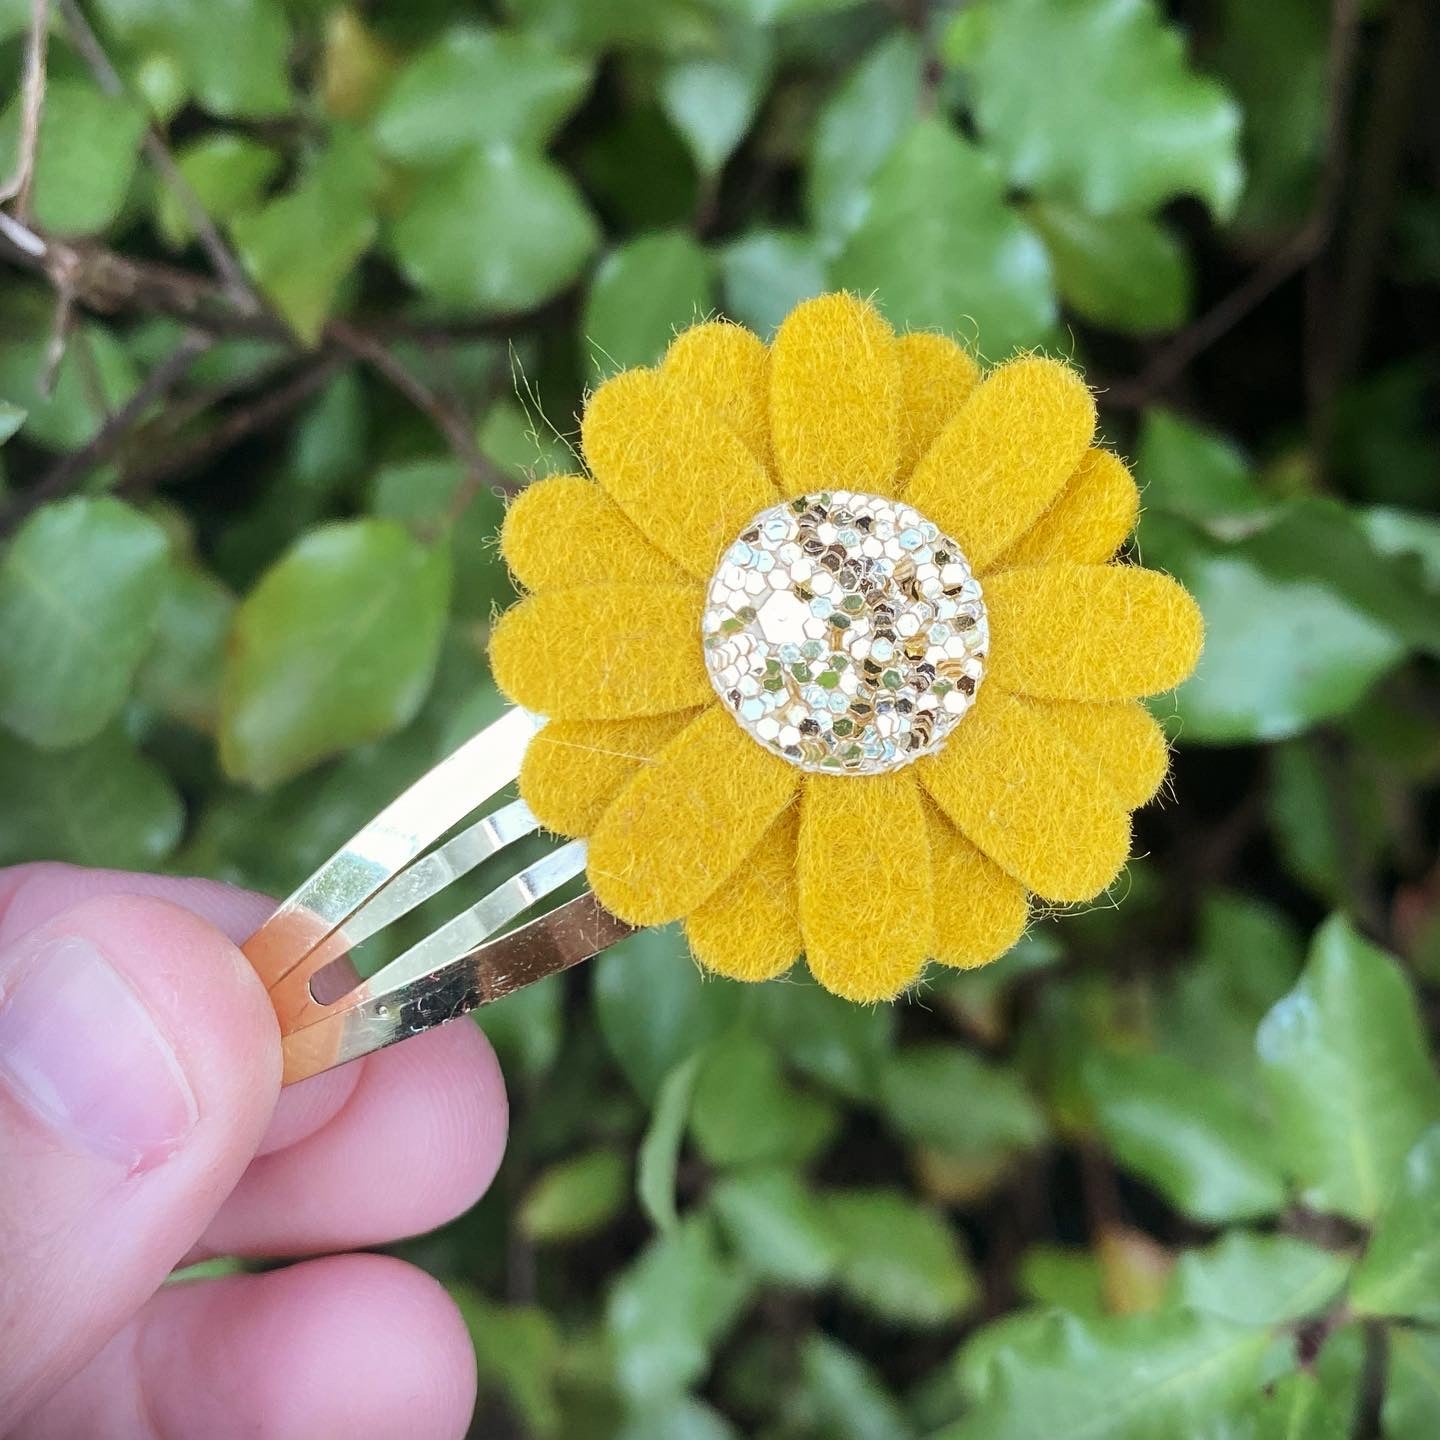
(384, 872)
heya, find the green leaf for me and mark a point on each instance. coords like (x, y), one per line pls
(522, 443)
(1064, 1277)
(744, 1111)
(12, 417)
(766, 273)
(899, 1260)
(1130, 1378)
(1123, 272)
(1280, 654)
(100, 804)
(861, 124)
(80, 588)
(180, 676)
(940, 247)
(228, 173)
(1259, 1279)
(528, 1029)
(1412, 1390)
(1205, 1152)
(335, 646)
(1317, 1403)
(669, 1309)
(301, 247)
(835, 1043)
(777, 1225)
(1348, 1074)
(575, 1197)
(655, 1008)
(85, 160)
(843, 1398)
(475, 86)
(712, 100)
(67, 415)
(1091, 102)
(676, 1418)
(1400, 1274)
(660, 1149)
(518, 1350)
(495, 230)
(1194, 472)
(946, 1097)
(641, 295)
(421, 493)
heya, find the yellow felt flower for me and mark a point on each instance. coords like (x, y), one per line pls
(833, 650)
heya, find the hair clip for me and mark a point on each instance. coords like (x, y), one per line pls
(836, 658)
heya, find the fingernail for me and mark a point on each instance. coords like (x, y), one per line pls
(79, 1049)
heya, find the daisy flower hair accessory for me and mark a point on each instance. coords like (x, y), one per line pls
(834, 649)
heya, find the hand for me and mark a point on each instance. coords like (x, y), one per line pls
(142, 1127)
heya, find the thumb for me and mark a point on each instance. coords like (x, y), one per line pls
(139, 1063)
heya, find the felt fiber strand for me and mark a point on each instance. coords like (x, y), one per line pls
(573, 769)
(1123, 739)
(1090, 632)
(749, 929)
(727, 369)
(1014, 786)
(999, 464)
(865, 887)
(566, 530)
(682, 475)
(980, 911)
(834, 398)
(683, 825)
(936, 378)
(603, 652)
(1090, 520)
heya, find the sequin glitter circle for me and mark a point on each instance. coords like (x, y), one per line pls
(845, 632)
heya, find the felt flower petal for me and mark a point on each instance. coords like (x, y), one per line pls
(678, 471)
(1123, 739)
(606, 652)
(749, 929)
(573, 769)
(834, 398)
(684, 824)
(1014, 785)
(980, 911)
(936, 378)
(566, 530)
(1000, 463)
(727, 368)
(866, 905)
(1089, 521)
(1090, 632)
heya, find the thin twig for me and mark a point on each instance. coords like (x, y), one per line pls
(18, 186)
(227, 267)
(60, 479)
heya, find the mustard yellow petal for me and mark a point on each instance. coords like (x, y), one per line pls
(1123, 739)
(728, 369)
(834, 398)
(1090, 520)
(1002, 460)
(936, 378)
(682, 825)
(678, 471)
(866, 908)
(980, 911)
(1090, 632)
(606, 652)
(566, 530)
(749, 929)
(573, 769)
(1016, 788)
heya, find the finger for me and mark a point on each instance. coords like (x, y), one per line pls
(417, 1143)
(139, 1064)
(357, 1345)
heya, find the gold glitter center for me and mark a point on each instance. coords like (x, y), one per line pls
(845, 632)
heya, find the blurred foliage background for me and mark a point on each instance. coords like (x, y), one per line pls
(297, 291)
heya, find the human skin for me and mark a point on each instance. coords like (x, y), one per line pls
(142, 1127)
